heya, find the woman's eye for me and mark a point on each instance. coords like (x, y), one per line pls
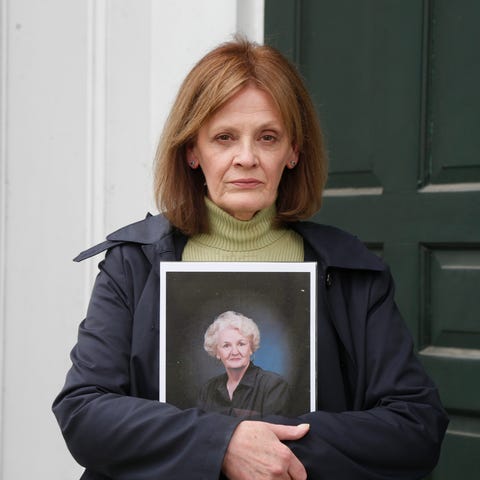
(224, 137)
(268, 138)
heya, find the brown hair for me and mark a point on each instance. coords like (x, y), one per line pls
(180, 190)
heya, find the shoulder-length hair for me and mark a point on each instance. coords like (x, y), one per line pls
(230, 319)
(180, 190)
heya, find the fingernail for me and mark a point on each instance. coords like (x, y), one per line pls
(303, 425)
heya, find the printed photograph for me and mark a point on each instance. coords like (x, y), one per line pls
(238, 338)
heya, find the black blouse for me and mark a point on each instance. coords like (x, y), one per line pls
(258, 394)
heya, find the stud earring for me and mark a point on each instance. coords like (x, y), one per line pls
(293, 163)
(193, 163)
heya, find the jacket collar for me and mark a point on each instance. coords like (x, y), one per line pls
(154, 231)
(248, 380)
(334, 247)
(337, 248)
(150, 230)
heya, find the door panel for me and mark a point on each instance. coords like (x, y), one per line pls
(454, 103)
(395, 83)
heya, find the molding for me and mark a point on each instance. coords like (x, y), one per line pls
(250, 19)
(352, 192)
(449, 352)
(450, 188)
(3, 211)
(424, 166)
(96, 78)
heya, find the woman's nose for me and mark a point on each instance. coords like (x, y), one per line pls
(246, 155)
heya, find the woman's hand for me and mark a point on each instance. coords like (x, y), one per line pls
(256, 452)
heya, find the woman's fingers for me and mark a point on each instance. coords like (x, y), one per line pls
(288, 432)
(296, 470)
(255, 452)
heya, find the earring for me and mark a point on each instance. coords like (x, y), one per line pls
(293, 163)
(193, 163)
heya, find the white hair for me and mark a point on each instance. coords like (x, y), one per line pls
(246, 326)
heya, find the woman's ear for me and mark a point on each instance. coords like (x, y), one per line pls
(191, 157)
(292, 162)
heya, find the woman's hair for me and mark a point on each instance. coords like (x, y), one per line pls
(246, 326)
(180, 190)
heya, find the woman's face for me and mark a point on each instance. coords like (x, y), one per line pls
(242, 151)
(233, 348)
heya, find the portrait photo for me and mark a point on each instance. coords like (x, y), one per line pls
(270, 307)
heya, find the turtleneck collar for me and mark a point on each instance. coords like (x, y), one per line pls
(228, 233)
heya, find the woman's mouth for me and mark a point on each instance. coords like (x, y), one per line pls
(246, 183)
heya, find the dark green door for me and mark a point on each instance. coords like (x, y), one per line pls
(396, 84)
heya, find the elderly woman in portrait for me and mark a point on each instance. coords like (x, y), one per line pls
(240, 168)
(245, 390)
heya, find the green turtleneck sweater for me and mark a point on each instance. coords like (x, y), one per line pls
(235, 240)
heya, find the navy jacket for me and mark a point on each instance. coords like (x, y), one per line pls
(379, 415)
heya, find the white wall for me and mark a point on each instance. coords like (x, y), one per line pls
(85, 87)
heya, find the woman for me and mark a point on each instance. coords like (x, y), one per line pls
(241, 161)
(245, 390)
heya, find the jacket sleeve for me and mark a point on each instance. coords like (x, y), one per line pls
(117, 435)
(395, 428)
